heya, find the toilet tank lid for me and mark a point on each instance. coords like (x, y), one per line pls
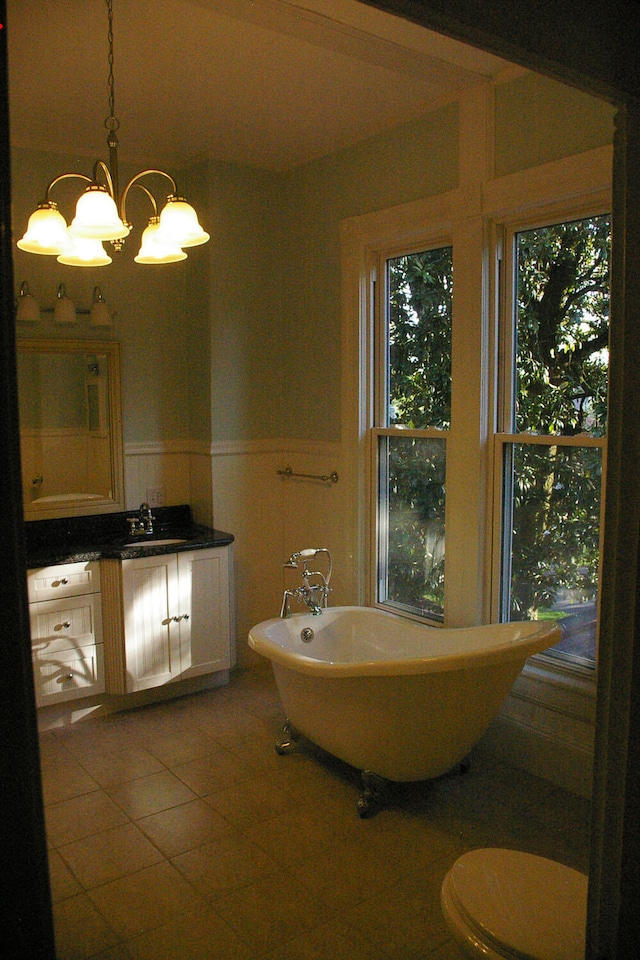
(527, 906)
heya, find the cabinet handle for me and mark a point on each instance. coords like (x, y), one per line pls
(64, 678)
(62, 582)
(63, 626)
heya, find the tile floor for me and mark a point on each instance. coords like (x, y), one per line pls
(177, 833)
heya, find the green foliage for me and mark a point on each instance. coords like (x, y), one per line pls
(556, 522)
(420, 298)
(563, 328)
(562, 377)
(416, 490)
(420, 289)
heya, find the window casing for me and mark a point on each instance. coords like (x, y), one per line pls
(550, 448)
(412, 417)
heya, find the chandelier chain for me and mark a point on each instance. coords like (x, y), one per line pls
(111, 123)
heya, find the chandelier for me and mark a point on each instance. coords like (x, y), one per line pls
(101, 210)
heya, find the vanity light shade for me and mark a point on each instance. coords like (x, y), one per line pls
(154, 251)
(64, 310)
(27, 307)
(97, 216)
(85, 253)
(179, 224)
(100, 315)
(46, 232)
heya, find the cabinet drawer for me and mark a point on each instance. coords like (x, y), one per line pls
(67, 674)
(66, 622)
(67, 580)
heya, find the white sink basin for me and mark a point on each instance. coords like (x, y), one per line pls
(155, 543)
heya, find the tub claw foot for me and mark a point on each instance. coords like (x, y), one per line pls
(290, 736)
(370, 799)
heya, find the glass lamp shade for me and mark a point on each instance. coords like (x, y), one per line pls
(179, 224)
(153, 250)
(27, 307)
(85, 253)
(97, 216)
(46, 232)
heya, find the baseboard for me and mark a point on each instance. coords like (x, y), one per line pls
(566, 764)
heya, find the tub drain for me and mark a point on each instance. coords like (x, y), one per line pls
(306, 635)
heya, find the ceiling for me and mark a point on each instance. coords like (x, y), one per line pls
(267, 83)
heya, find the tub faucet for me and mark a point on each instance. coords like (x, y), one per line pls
(314, 589)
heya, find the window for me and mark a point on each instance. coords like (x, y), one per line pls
(412, 419)
(550, 455)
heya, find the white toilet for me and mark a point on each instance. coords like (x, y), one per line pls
(508, 905)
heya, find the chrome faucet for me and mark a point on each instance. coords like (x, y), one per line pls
(314, 589)
(142, 525)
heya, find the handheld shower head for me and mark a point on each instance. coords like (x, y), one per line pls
(301, 555)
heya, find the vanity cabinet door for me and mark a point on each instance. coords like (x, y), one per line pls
(152, 638)
(177, 621)
(205, 636)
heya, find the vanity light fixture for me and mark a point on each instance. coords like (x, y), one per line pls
(64, 310)
(101, 210)
(100, 314)
(27, 307)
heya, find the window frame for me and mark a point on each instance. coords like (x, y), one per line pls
(506, 231)
(379, 427)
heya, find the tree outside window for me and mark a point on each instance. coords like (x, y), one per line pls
(551, 541)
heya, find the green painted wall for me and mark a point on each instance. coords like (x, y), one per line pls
(242, 340)
(538, 120)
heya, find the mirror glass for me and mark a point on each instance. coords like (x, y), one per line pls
(70, 427)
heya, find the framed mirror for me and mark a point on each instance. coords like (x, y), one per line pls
(70, 427)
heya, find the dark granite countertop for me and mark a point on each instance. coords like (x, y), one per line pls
(74, 539)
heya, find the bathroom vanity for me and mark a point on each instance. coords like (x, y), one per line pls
(114, 613)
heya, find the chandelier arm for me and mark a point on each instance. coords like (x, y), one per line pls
(134, 183)
(64, 176)
(100, 165)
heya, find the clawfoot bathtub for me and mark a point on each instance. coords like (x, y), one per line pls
(397, 699)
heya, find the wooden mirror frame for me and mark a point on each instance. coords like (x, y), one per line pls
(73, 508)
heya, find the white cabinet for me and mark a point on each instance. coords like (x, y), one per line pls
(176, 610)
(65, 614)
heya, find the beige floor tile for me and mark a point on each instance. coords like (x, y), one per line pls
(407, 923)
(145, 900)
(148, 795)
(65, 780)
(82, 816)
(332, 941)
(263, 856)
(225, 864)
(110, 854)
(181, 747)
(272, 911)
(80, 930)
(63, 883)
(217, 770)
(251, 801)
(184, 827)
(199, 936)
(120, 766)
(448, 951)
